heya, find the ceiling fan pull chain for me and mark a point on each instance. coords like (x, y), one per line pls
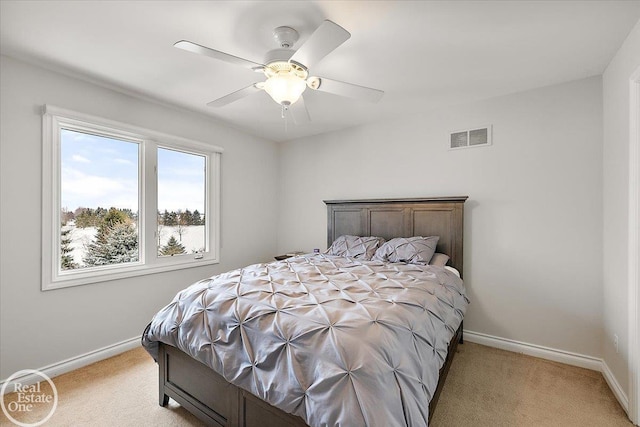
(284, 117)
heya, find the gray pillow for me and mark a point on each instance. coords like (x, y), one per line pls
(411, 250)
(355, 246)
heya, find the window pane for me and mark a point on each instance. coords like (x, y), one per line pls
(98, 199)
(181, 203)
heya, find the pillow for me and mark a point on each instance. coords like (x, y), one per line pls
(412, 250)
(355, 246)
(439, 260)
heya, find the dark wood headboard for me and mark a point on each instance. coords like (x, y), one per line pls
(389, 218)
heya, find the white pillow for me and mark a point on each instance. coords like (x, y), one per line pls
(439, 260)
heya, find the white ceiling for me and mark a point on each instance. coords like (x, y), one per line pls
(423, 54)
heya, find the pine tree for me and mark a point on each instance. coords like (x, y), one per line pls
(186, 217)
(169, 218)
(173, 247)
(66, 259)
(114, 216)
(85, 217)
(197, 219)
(116, 244)
(116, 241)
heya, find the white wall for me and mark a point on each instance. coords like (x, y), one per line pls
(616, 203)
(40, 328)
(533, 241)
(533, 221)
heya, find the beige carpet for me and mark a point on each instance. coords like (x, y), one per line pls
(491, 387)
(485, 387)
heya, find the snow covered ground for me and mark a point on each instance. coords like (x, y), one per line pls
(192, 238)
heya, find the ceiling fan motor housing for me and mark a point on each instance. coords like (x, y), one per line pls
(278, 55)
(285, 80)
(286, 37)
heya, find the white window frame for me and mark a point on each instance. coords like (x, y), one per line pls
(53, 120)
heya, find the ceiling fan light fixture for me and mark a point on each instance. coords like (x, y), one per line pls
(285, 88)
(285, 82)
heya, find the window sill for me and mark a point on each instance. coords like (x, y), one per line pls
(121, 272)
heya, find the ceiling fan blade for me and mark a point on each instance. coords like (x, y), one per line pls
(216, 54)
(299, 112)
(323, 41)
(349, 90)
(234, 96)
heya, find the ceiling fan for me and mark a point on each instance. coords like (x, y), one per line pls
(287, 70)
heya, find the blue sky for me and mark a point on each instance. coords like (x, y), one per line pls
(99, 171)
(181, 181)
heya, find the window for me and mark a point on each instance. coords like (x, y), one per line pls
(122, 201)
(181, 202)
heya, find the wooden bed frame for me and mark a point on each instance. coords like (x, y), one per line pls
(212, 399)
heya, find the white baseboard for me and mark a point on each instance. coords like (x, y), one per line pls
(547, 353)
(615, 387)
(76, 362)
(561, 356)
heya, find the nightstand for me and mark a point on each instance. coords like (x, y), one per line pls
(287, 255)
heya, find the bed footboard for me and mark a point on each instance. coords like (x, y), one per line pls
(211, 398)
(218, 403)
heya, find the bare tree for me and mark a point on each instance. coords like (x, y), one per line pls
(181, 224)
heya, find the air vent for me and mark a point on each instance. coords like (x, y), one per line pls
(476, 137)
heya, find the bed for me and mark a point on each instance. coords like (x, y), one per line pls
(277, 375)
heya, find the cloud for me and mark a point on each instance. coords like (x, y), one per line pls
(194, 173)
(123, 161)
(176, 194)
(78, 158)
(82, 190)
